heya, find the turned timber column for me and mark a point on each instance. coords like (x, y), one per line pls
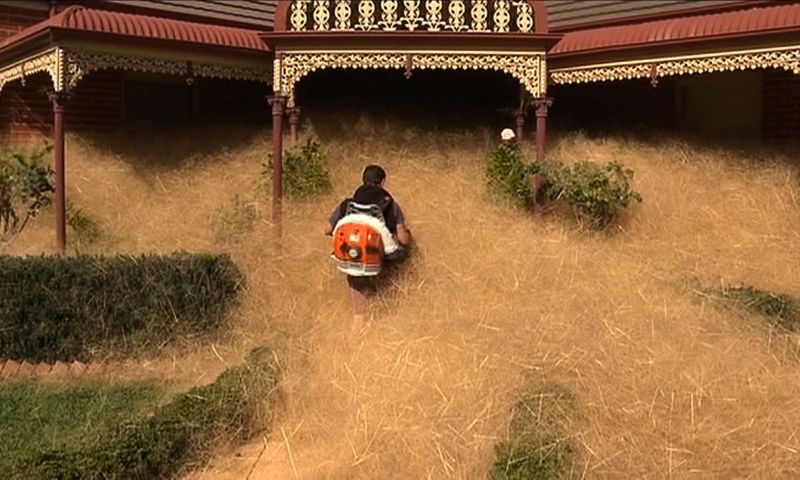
(520, 122)
(59, 100)
(541, 105)
(294, 121)
(278, 103)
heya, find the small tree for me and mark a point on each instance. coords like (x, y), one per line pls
(508, 176)
(304, 172)
(25, 186)
(599, 192)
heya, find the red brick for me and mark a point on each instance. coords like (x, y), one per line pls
(26, 370)
(59, 370)
(10, 368)
(77, 368)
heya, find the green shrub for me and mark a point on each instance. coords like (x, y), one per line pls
(599, 192)
(781, 310)
(538, 446)
(183, 432)
(66, 308)
(24, 184)
(234, 220)
(508, 176)
(85, 229)
(304, 171)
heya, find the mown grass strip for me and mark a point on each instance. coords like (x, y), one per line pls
(45, 416)
(177, 436)
(539, 444)
(781, 310)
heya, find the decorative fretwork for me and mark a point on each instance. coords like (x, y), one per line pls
(342, 13)
(322, 15)
(524, 16)
(501, 16)
(529, 69)
(433, 15)
(68, 67)
(389, 20)
(80, 64)
(787, 59)
(366, 15)
(298, 17)
(411, 16)
(480, 14)
(50, 61)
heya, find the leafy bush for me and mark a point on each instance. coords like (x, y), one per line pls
(538, 445)
(24, 184)
(86, 230)
(234, 220)
(508, 176)
(182, 432)
(65, 308)
(304, 171)
(595, 191)
(782, 310)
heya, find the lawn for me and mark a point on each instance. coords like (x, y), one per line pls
(38, 416)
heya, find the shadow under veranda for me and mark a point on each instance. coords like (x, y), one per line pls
(148, 150)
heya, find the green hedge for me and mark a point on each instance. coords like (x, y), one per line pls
(181, 433)
(65, 308)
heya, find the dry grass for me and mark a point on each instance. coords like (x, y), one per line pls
(668, 383)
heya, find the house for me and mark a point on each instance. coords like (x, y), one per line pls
(718, 67)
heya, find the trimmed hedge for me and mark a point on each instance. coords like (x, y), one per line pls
(181, 433)
(66, 308)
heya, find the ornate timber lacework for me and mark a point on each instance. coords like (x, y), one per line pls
(67, 68)
(787, 59)
(50, 61)
(514, 16)
(530, 70)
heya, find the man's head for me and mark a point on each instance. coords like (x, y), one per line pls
(373, 175)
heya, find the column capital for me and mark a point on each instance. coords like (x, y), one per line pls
(58, 98)
(541, 105)
(278, 104)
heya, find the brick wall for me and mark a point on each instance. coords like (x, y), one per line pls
(14, 19)
(96, 106)
(614, 105)
(232, 100)
(25, 110)
(781, 107)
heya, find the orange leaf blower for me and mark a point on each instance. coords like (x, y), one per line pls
(361, 241)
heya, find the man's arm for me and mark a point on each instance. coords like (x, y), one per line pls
(332, 219)
(403, 235)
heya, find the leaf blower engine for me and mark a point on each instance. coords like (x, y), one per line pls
(361, 241)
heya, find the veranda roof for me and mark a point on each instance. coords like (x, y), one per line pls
(753, 38)
(81, 20)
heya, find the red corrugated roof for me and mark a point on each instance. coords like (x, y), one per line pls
(81, 19)
(762, 20)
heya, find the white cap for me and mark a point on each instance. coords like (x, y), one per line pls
(507, 134)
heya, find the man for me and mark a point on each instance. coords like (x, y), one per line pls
(371, 192)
